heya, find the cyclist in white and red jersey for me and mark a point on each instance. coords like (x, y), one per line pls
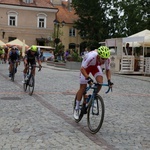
(92, 63)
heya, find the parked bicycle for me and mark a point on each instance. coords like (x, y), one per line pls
(93, 106)
(29, 82)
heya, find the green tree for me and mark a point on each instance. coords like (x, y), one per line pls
(128, 17)
(92, 23)
(102, 19)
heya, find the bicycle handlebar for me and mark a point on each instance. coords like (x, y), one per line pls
(94, 86)
(31, 66)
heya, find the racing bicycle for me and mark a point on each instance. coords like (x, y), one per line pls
(93, 106)
(29, 82)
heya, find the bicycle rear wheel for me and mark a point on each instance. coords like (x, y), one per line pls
(31, 84)
(95, 114)
(80, 110)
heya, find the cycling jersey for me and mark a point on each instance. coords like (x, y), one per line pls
(93, 66)
(31, 58)
(13, 55)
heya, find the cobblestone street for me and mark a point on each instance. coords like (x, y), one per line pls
(44, 121)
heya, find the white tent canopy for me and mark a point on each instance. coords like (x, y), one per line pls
(20, 44)
(140, 39)
(16, 42)
(2, 43)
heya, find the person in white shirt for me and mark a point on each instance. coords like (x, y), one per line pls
(92, 64)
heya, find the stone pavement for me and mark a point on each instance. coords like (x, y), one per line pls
(45, 121)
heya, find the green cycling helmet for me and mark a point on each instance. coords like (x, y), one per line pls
(33, 48)
(103, 52)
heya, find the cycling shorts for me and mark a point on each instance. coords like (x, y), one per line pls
(94, 70)
(31, 62)
(13, 60)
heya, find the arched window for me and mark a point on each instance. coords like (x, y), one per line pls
(12, 18)
(41, 20)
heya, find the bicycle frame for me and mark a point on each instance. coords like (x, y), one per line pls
(94, 86)
(94, 108)
(30, 71)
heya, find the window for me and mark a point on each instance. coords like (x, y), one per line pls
(28, 1)
(72, 32)
(12, 18)
(41, 23)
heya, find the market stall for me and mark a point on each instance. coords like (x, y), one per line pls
(131, 62)
(137, 61)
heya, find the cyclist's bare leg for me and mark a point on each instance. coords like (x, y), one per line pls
(10, 67)
(79, 94)
(25, 70)
(99, 79)
(17, 64)
(81, 91)
(33, 71)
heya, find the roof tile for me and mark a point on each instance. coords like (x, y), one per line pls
(65, 15)
(36, 3)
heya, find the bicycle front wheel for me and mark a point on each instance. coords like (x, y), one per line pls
(95, 114)
(31, 85)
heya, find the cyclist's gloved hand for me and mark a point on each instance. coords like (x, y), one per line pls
(90, 81)
(110, 83)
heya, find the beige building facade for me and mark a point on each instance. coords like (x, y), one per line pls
(69, 35)
(32, 24)
(33, 21)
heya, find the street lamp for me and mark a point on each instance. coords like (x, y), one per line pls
(57, 25)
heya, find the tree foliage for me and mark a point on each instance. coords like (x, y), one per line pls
(102, 19)
(133, 16)
(92, 24)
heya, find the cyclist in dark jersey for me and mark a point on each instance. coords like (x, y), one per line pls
(30, 58)
(13, 56)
